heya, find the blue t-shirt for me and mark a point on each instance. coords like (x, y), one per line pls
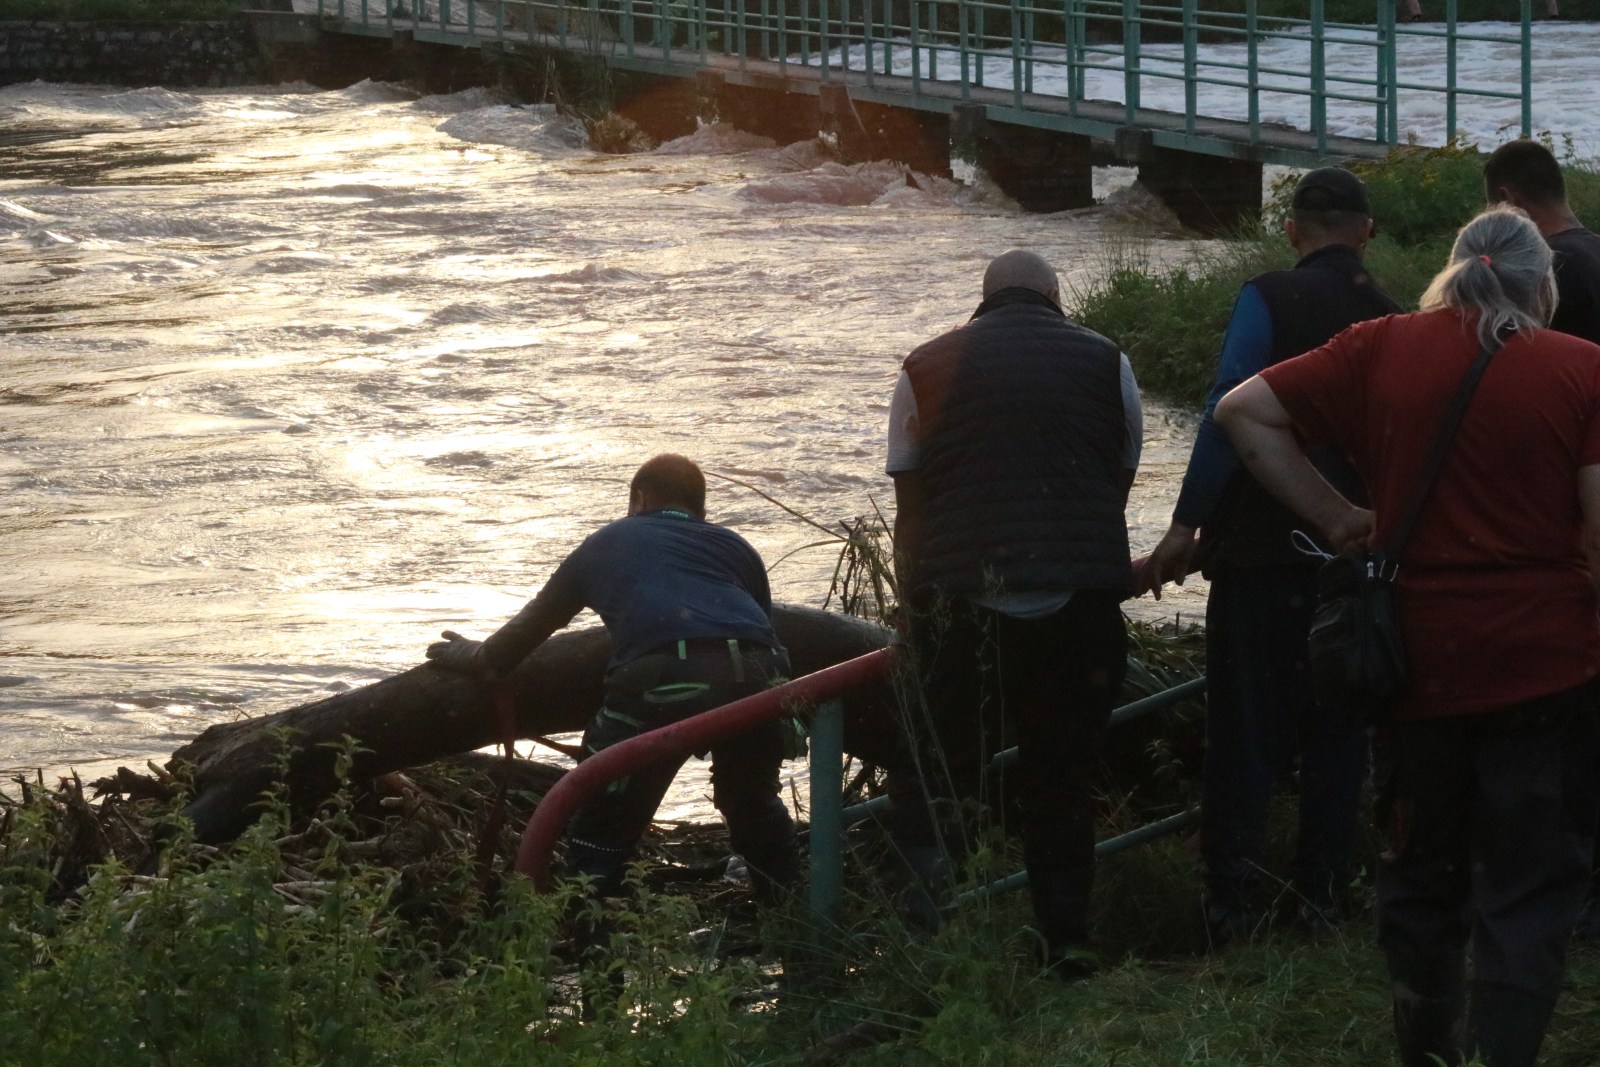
(663, 577)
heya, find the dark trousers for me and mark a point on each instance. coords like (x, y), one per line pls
(1488, 821)
(1259, 717)
(657, 690)
(1049, 684)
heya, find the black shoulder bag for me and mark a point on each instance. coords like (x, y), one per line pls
(1357, 659)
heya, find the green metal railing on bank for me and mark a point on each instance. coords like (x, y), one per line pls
(1051, 62)
(822, 692)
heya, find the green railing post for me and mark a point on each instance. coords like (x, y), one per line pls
(1527, 68)
(472, 17)
(1319, 76)
(739, 22)
(1391, 72)
(822, 38)
(1073, 31)
(827, 800)
(916, 49)
(1252, 32)
(963, 39)
(1016, 54)
(444, 13)
(1191, 41)
(1450, 12)
(866, 40)
(1130, 59)
(783, 36)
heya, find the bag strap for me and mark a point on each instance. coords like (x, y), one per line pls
(1441, 449)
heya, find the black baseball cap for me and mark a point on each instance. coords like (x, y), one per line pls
(1331, 189)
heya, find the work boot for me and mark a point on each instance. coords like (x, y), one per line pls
(1061, 912)
(1506, 1025)
(1428, 1027)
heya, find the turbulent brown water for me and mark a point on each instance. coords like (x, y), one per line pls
(295, 379)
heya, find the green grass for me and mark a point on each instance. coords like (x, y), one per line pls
(242, 957)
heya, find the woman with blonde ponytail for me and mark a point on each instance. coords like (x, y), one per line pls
(1487, 768)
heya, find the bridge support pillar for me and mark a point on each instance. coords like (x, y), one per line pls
(663, 107)
(784, 117)
(866, 131)
(1210, 194)
(1041, 170)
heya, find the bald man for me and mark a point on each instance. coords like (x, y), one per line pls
(1013, 442)
(689, 612)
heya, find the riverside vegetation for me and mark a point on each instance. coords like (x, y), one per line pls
(1169, 319)
(362, 932)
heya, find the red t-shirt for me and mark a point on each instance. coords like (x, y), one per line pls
(1496, 601)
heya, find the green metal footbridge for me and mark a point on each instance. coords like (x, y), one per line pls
(1198, 93)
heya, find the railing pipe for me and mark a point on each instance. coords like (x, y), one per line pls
(1135, 709)
(693, 734)
(1109, 847)
(827, 798)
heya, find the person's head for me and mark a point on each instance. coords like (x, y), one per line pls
(668, 481)
(1330, 206)
(1019, 269)
(1524, 174)
(1499, 270)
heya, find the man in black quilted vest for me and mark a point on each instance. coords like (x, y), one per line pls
(1013, 442)
(1260, 714)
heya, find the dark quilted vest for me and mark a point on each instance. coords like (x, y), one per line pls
(1021, 453)
(1327, 292)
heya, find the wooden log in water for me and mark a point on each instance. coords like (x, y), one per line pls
(425, 714)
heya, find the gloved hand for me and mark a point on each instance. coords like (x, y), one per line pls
(456, 653)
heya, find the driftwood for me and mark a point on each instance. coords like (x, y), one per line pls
(426, 714)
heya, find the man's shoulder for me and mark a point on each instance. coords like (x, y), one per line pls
(1578, 247)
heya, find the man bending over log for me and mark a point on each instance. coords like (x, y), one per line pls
(689, 612)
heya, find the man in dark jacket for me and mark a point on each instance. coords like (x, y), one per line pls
(1526, 175)
(689, 612)
(1263, 569)
(1013, 442)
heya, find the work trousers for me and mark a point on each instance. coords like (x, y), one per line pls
(1488, 822)
(1260, 716)
(666, 687)
(1048, 684)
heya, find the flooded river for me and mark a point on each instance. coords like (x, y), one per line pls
(295, 379)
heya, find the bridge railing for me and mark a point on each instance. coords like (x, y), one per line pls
(1110, 51)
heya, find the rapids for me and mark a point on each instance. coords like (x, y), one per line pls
(296, 379)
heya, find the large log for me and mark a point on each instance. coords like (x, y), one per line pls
(425, 714)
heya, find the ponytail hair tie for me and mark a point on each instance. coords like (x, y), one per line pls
(1487, 262)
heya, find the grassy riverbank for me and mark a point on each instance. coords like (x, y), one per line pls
(360, 939)
(1170, 318)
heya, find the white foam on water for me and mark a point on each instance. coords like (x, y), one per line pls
(715, 139)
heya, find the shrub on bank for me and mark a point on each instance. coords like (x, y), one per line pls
(1169, 317)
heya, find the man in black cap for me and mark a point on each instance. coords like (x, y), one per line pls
(1262, 564)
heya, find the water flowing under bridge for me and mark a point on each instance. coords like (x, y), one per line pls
(1197, 95)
